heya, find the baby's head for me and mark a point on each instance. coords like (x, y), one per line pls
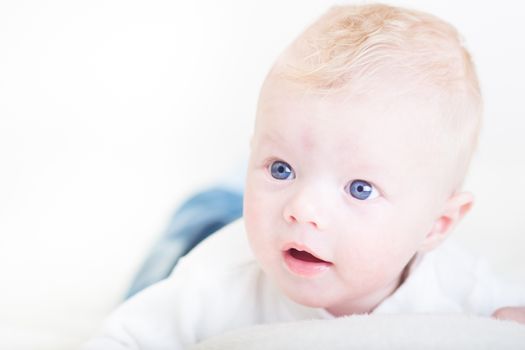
(365, 128)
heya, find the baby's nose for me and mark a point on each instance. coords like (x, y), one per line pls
(291, 218)
(305, 207)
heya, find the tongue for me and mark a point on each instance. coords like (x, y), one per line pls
(304, 256)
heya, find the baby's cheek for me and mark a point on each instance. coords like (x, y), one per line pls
(253, 209)
(255, 216)
(261, 207)
(372, 264)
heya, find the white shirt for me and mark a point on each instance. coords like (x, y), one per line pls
(219, 286)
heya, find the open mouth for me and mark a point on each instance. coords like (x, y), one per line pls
(304, 264)
(304, 256)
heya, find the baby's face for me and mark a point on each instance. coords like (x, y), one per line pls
(340, 195)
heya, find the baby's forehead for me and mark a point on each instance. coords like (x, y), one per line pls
(386, 102)
(352, 121)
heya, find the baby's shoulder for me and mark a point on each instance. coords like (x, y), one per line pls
(221, 286)
(469, 279)
(209, 291)
(456, 269)
(222, 267)
(438, 281)
(224, 252)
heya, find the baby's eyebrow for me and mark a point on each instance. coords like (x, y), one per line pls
(274, 137)
(271, 143)
(365, 170)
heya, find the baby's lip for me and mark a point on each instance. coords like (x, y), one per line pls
(297, 249)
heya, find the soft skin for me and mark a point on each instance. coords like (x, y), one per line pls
(516, 314)
(329, 142)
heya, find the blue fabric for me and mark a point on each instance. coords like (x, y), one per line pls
(197, 218)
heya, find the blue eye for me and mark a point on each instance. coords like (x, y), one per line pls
(281, 170)
(362, 190)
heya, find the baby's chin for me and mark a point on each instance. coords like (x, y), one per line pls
(337, 301)
(330, 304)
(308, 300)
(310, 297)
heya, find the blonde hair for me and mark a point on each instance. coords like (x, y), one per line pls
(351, 47)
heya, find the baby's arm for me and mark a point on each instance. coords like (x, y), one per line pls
(156, 318)
(511, 313)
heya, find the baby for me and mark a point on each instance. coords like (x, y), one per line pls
(365, 129)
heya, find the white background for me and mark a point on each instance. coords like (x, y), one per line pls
(111, 112)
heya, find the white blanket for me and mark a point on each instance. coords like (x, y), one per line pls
(390, 332)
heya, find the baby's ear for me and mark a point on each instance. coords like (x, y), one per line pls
(454, 210)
